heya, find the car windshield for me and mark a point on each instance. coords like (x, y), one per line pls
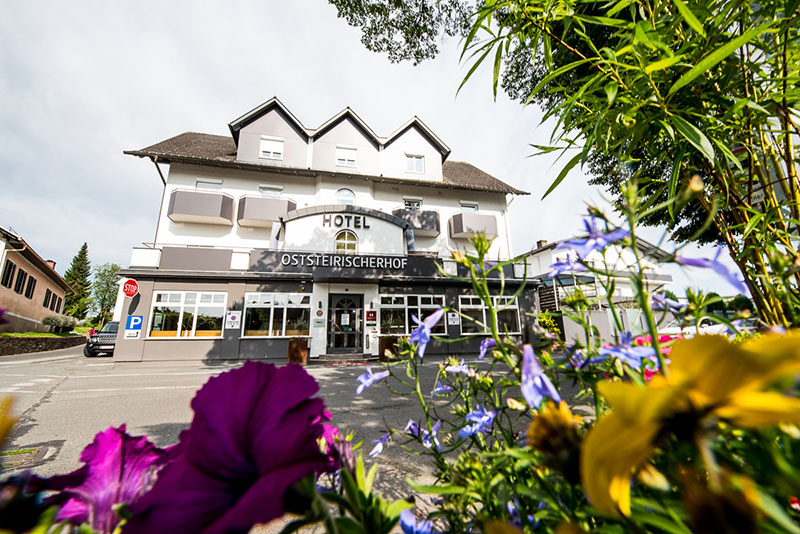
(110, 328)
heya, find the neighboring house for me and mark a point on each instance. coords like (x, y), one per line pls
(618, 260)
(30, 287)
(332, 234)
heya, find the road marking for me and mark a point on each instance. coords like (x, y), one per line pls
(22, 384)
(40, 360)
(98, 364)
(210, 372)
(11, 390)
(42, 380)
(107, 390)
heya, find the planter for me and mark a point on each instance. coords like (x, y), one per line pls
(298, 351)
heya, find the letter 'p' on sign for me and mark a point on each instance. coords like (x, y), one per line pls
(134, 322)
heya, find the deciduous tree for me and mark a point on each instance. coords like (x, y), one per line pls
(104, 290)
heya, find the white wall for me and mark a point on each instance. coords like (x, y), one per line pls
(412, 142)
(346, 133)
(273, 124)
(308, 233)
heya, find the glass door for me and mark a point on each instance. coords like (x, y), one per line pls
(345, 323)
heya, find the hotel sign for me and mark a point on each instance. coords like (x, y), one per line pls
(323, 265)
(346, 261)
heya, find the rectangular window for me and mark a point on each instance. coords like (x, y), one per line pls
(469, 207)
(273, 191)
(29, 291)
(187, 314)
(345, 157)
(276, 314)
(415, 163)
(57, 307)
(412, 203)
(22, 277)
(47, 295)
(475, 317)
(8, 274)
(213, 184)
(271, 148)
(396, 313)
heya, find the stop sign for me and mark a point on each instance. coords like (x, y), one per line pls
(130, 288)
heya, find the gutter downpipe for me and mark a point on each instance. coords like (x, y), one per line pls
(154, 159)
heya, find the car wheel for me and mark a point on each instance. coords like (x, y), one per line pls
(87, 352)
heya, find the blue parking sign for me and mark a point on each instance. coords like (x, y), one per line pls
(134, 322)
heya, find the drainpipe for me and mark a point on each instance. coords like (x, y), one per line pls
(163, 194)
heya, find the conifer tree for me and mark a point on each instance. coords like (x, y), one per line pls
(78, 276)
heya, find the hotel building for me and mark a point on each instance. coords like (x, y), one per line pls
(332, 237)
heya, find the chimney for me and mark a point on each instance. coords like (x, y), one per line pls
(51, 263)
(541, 243)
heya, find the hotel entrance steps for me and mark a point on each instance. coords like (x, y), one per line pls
(343, 358)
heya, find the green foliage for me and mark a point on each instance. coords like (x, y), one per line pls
(60, 321)
(78, 276)
(104, 290)
(741, 303)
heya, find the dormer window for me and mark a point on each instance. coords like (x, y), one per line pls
(273, 191)
(271, 148)
(345, 156)
(415, 164)
(345, 196)
(214, 184)
(469, 207)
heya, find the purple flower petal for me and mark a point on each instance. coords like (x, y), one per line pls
(718, 267)
(595, 241)
(254, 434)
(535, 385)
(422, 334)
(486, 344)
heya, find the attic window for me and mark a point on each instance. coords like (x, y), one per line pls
(208, 183)
(415, 163)
(469, 207)
(345, 156)
(271, 148)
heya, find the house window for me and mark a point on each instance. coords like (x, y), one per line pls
(213, 184)
(346, 242)
(476, 319)
(276, 314)
(31, 287)
(415, 163)
(273, 191)
(469, 207)
(345, 196)
(56, 304)
(19, 286)
(8, 274)
(187, 314)
(412, 203)
(271, 148)
(47, 295)
(345, 157)
(397, 312)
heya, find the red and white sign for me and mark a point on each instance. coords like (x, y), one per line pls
(130, 288)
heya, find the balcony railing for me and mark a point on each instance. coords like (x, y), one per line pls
(425, 223)
(262, 212)
(463, 225)
(206, 207)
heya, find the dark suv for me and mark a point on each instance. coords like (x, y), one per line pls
(103, 341)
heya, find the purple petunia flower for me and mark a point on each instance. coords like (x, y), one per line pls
(632, 355)
(570, 265)
(481, 420)
(409, 525)
(429, 439)
(422, 335)
(379, 443)
(440, 389)
(596, 240)
(535, 384)
(252, 437)
(486, 344)
(718, 267)
(118, 468)
(458, 368)
(2, 319)
(412, 428)
(368, 379)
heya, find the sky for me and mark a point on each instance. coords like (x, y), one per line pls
(82, 81)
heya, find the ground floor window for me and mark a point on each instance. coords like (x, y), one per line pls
(276, 314)
(396, 312)
(187, 314)
(475, 318)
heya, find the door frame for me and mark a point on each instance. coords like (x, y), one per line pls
(358, 328)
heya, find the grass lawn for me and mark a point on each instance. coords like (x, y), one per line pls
(35, 334)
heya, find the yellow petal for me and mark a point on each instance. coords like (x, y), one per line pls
(6, 419)
(494, 526)
(638, 405)
(611, 450)
(756, 409)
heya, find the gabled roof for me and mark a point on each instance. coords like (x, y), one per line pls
(220, 151)
(649, 248)
(347, 113)
(259, 111)
(17, 244)
(427, 132)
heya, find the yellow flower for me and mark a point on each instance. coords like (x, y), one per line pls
(709, 377)
(6, 419)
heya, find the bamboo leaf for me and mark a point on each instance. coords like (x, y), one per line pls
(689, 17)
(718, 55)
(563, 174)
(611, 91)
(554, 74)
(673, 180)
(498, 59)
(752, 224)
(663, 64)
(697, 138)
(474, 66)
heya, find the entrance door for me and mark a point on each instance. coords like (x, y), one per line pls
(345, 314)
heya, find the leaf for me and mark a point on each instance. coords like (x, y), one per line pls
(473, 68)
(611, 91)
(370, 479)
(673, 179)
(498, 60)
(554, 74)
(347, 525)
(689, 17)
(619, 6)
(663, 64)
(718, 55)
(563, 174)
(394, 509)
(495, 526)
(697, 138)
(772, 509)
